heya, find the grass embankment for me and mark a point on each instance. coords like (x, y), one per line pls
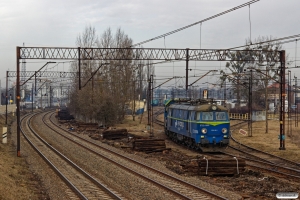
(269, 141)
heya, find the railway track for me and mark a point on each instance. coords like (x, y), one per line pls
(265, 161)
(256, 158)
(81, 184)
(263, 155)
(172, 186)
(156, 114)
(262, 160)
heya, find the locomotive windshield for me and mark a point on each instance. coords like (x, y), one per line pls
(207, 116)
(220, 116)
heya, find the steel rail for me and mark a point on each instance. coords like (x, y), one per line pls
(274, 168)
(138, 163)
(73, 187)
(269, 154)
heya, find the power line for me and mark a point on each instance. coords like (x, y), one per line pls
(269, 41)
(199, 22)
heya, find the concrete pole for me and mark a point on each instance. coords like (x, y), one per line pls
(4, 135)
(1, 93)
(266, 99)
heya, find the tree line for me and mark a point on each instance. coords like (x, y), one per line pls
(110, 93)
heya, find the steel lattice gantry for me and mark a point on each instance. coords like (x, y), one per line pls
(51, 74)
(144, 54)
(162, 54)
(60, 76)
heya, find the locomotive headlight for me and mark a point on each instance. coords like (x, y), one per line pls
(214, 107)
(204, 130)
(224, 130)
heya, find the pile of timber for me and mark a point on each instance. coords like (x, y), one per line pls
(113, 134)
(88, 127)
(149, 145)
(221, 166)
(64, 115)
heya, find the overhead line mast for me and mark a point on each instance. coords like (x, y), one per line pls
(23, 70)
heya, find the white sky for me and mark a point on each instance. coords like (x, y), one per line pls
(57, 23)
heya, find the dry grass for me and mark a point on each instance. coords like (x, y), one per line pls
(269, 142)
(17, 181)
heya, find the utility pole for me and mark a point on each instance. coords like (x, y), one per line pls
(282, 101)
(289, 103)
(225, 98)
(149, 106)
(1, 93)
(187, 72)
(41, 97)
(250, 102)
(266, 98)
(32, 98)
(133, 114)
(6, 97)
(50, 92)
(18, 103)
(296, 107)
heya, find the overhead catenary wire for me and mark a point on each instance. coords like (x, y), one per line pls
(269, 41)
(247, 45)
(188, 26)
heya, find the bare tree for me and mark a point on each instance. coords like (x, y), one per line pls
(107, 96)
(260, 72)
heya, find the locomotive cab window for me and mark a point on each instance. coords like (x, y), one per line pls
(170, 112)
(221, 116)
(207, 116)
(197, 116)
(185, 115)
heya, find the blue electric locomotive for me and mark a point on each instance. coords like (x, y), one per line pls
(199, 124)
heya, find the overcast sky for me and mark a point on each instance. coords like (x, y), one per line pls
(57, 23)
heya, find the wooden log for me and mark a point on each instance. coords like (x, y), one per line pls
(150, 146)
(223, 165)
(217, 174)
(111, 137)
(115, 131)
(156, 147)
(150, 143)
(221, 162)
(143, 140)
(158, 150)
(223, 171)
(114, 134)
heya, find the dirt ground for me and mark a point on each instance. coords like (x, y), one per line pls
(18, 182)
(16, 179)
(251, 184)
